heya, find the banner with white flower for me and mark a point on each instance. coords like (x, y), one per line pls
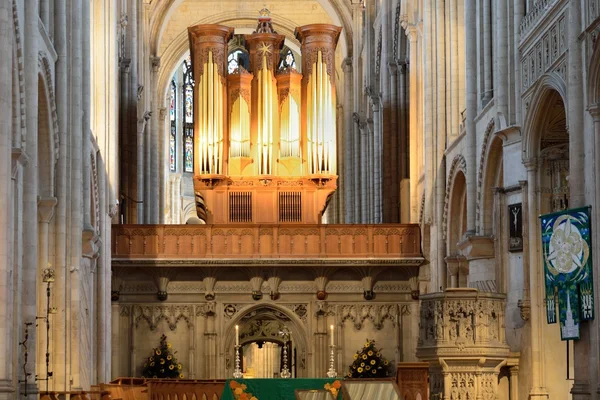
(567, 255)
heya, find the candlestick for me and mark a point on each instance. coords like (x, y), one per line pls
(237, 335)
(332, 341)
(332, 372)
(237, 373)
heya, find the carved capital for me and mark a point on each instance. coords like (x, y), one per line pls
(154, 63)
(531, 163)
(46, 208)
(19, 158)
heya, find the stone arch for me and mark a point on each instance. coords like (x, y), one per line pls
(48, 131)
(338, 11)
(485, 152)
(457, 212)
(459, 164)
(19, 83)
(538, 105)
(190, 215)
(45, 160)
(594, 76)
(492, 176)
(299, 331)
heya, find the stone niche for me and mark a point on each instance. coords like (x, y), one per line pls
(461, 335)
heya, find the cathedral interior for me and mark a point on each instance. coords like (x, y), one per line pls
(266, 186)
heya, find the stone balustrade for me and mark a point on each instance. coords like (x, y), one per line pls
(231, 242)
(530, 20)
(462, 337)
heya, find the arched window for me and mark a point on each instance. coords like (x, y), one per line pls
(237, 58)
(172, 118)
(188, 117)
(286, 59)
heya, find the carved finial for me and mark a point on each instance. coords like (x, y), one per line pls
(264, 12)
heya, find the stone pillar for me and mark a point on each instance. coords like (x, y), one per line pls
(514, 382)
(163, 167)
(377, 165)
(7, 289)
(124, 139)
(471, 113)
(488, 90)
(154, 147)
(86, 110)
(358, 173)
(518, 13)
(349, 173)
(29, 273)
(74, 279)
(413, 125)
(364, 160)
(357, 26)
(321, 350)
(393, 144)
(404, 195)
(535, 281)
(59, 327)
(577, 185)
(210, 344)
(501, 86)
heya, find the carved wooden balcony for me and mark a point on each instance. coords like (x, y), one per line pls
(279, 245)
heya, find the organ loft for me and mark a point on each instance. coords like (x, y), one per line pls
(266, 136)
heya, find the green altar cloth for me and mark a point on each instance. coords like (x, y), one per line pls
(277, 389)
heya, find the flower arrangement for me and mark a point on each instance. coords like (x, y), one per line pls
(369, 363)
(334, 387)
(239, 391)
(162, 363)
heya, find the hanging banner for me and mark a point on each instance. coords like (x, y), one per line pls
(567, 252)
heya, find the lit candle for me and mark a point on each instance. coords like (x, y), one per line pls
(237, 335)
(332, 342)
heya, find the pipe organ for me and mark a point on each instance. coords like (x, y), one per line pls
(266, 138)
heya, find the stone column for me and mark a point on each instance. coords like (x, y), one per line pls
(514, 382)
(471, 113)
(377, 164)
(404, 195)
(124, 138)
(86, 108)
(364, 159)
(390, 188)
(74, 279)
(321, 350)
(536, 314)
(372, 159)
(210, 346)
(518, 13)
(577, 185)
(413, 124)
(349, 165)
(163, 167)
(501, 61)
(59, 328)
(488, 90)
(357, 27)
(358, 173)
(7, 289)
(29, 275)
(154, 148)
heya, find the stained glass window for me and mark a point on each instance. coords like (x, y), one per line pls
(172, 117)
(188, 123)
(286, 59)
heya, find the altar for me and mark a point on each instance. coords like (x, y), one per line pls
(276, 389)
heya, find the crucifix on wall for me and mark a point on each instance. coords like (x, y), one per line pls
(515, 223)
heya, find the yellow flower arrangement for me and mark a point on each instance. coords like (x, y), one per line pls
(369, 362)
(333, 387)
(239, 391)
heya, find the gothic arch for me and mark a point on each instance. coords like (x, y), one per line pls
(338, 11)
(48, 138)
(485, 152)
(173, 55)
(594, 76)
(299, 331)
(538, 105)
(459, 165)
(492, 177)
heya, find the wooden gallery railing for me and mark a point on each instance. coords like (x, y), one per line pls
(158, 389)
